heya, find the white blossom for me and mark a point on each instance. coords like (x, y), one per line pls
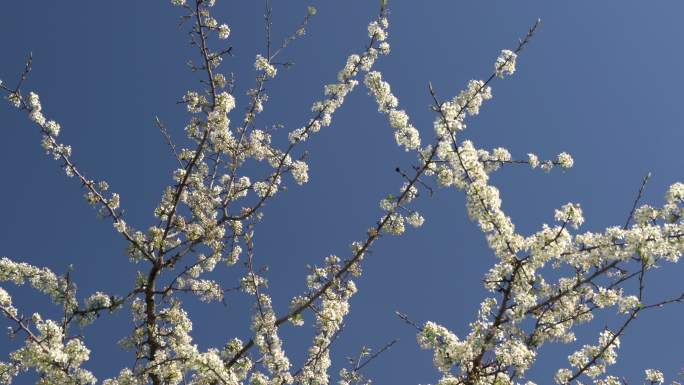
(263, 64)
(415, 219)
(533, 160)
(654, 376)
(300, 172)
(505, 63)
(565, 160)
(223, 31)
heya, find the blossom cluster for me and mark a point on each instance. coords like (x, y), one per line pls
(405, 134)
(47, 349)
(334, 306)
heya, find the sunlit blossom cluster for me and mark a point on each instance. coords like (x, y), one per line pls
(405, 134)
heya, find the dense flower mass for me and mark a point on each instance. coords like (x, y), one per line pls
(232, 165)
(405, 134)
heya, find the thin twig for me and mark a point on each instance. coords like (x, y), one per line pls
(637, 199)
(168, 140)
(406, 319)
(374, 356)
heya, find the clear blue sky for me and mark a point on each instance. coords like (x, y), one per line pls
(601, 80)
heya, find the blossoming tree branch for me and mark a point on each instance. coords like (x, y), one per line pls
(207, 217)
